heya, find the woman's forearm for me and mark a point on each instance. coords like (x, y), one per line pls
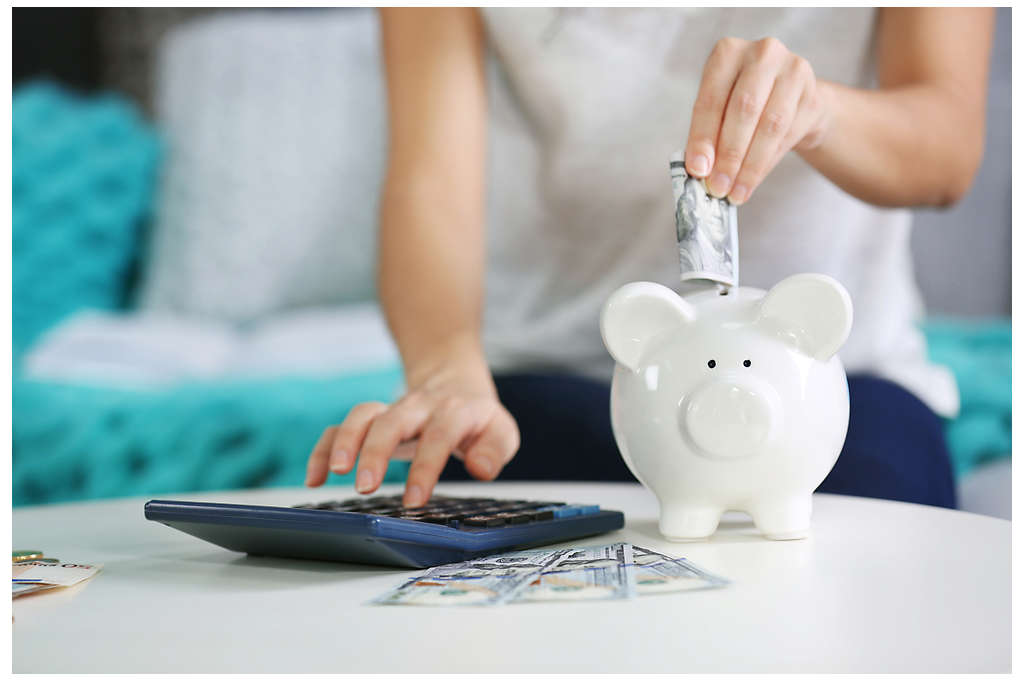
(907, 146)
(919, 138)
(431, 257)
(431, 274)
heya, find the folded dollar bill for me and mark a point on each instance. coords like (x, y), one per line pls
(615, 571)
(706, 229)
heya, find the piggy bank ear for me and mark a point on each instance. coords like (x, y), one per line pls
(637, 312)
(814, 311)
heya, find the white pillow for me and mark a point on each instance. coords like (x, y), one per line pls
(274, 123)
(151, 349)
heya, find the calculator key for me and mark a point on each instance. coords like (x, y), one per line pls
(515, 506)
(486, 521)
(542, 515)
(571, 510)
(558, 512)
(565, 512)
(437, 518)
(516, 517)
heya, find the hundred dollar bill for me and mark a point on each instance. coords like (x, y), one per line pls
(487, 581)
(604, 572)
(706, 229)
(657, 572)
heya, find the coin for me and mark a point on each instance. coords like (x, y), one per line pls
(26, 554)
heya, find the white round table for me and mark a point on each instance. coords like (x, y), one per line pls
(878, 587)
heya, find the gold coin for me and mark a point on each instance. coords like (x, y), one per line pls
(26, 554)
(42, 560)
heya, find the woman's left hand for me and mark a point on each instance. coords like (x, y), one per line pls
(757, 100)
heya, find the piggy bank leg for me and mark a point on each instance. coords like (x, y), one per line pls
(787, 518)
(686, 523)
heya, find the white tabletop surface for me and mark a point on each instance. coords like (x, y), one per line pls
(879, 586)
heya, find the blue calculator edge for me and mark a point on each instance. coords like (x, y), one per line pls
(361, 538)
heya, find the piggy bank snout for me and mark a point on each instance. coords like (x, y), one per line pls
(730, 417)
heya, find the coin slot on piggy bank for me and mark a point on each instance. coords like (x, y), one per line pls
(708, 429)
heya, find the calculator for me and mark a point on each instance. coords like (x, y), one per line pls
(380, 530)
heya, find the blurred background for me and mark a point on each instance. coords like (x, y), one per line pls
(194, 207)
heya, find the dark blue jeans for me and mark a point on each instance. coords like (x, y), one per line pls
(895, 447)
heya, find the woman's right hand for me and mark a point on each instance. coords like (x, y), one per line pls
(452, 407)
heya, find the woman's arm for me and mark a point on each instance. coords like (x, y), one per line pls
(432, 205)
(916, 140)
(431, 264)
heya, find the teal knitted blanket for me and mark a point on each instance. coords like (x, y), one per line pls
(79, 442)
(83, 177)
(979, 354)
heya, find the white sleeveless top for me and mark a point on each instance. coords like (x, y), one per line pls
(587, 105)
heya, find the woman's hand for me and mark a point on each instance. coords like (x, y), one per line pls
(756, 101)
(453, 409)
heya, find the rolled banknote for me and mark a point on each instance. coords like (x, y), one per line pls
(480, 582)
(706, 230)
(657, 572)
(604, 572)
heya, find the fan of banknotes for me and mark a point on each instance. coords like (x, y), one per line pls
(616, 571)
(706, 230)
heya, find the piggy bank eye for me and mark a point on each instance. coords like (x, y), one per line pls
(711, 364)
(746, 363)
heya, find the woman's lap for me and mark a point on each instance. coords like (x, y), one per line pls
(895, 448)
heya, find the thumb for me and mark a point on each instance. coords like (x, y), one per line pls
(493, 448)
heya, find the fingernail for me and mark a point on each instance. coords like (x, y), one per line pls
(413, 496)
(719, 185)
(738, 194)
(364, 481)
(699, 165)
(339, 461)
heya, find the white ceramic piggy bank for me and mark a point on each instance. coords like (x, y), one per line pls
(730, 401)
